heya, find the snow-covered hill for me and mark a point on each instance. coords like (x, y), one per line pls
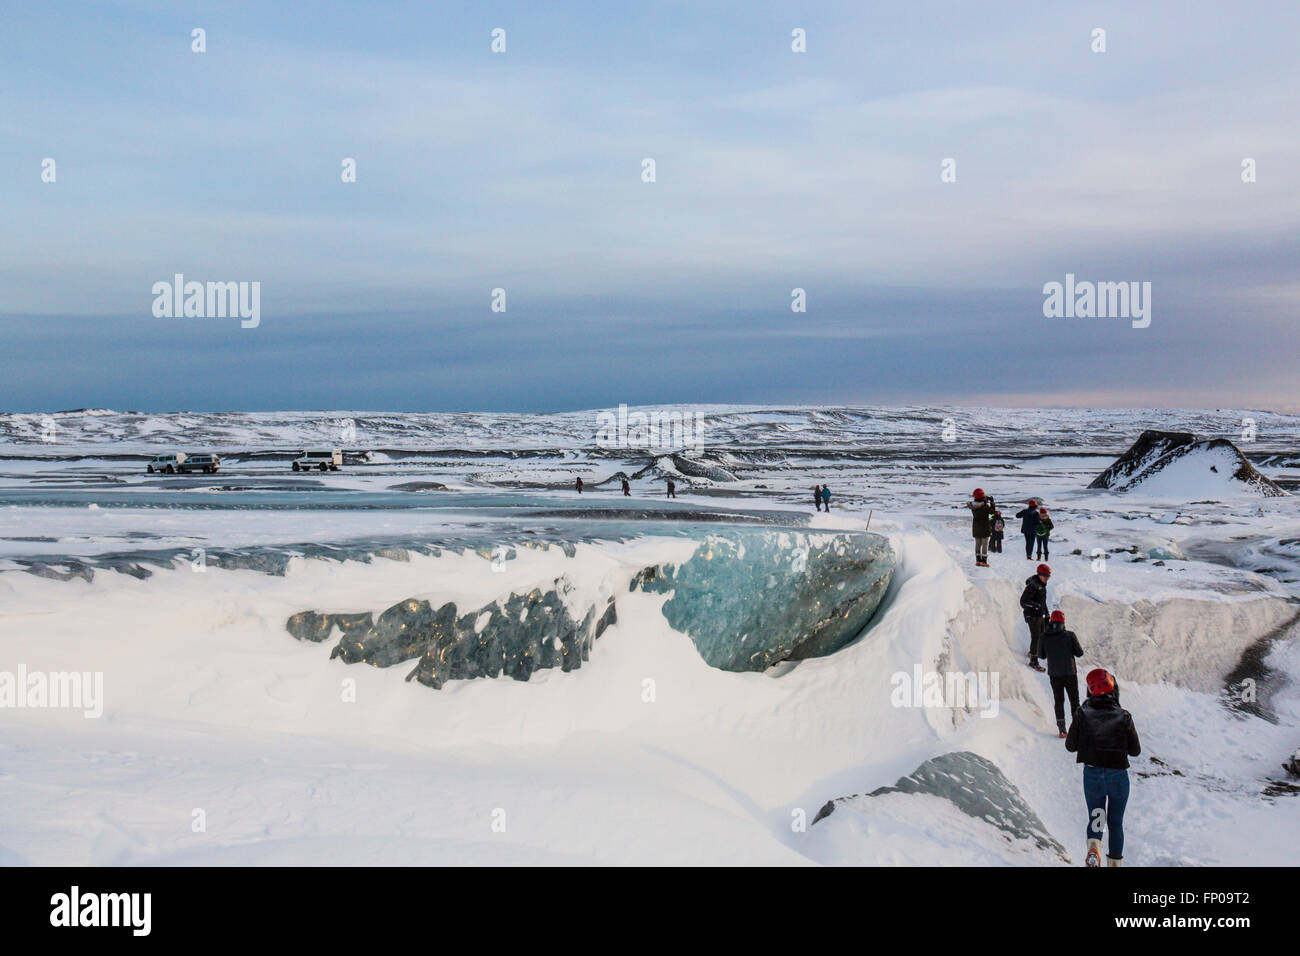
(771, 429)
(1178, 465)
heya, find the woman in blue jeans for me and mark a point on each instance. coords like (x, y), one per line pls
(1103, 736)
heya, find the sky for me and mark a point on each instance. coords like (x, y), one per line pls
(522, 171)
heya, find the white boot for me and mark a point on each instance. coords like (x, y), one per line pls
(1094, 853)
(1112, 861)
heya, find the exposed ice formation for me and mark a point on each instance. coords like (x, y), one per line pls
(975, 786)
(750, 598)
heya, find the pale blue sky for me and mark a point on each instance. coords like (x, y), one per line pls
(522, 171)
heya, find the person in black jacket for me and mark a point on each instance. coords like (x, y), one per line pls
(1103, 736)
(999, 527)
(1033, 601)
(1029, 526)
(981, 509)
(1061, 647)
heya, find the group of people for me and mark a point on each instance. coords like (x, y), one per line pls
(1101, 733)
(1036, 526)
(821, 493)
(988, 528)
(821, 497)
(627, 487)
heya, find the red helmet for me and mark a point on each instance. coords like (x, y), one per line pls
(1044, 569)
(1042, 511)
(977, 493)
(1058, 617)
(1033, 503)
(1099, 682)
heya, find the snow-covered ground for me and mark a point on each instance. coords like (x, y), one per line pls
(213, 712)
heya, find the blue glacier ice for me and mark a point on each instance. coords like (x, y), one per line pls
(975, 786)
(750, 597)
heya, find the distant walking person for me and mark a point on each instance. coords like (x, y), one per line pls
(981, 525)
(999, 528)
(627, 489)
(1042, 533)
(1033, 601)
(817, 497)
(826, 497)
(672, 488)
(1061, 647)
(1029, 527)
(1103, 736)
(578, 484)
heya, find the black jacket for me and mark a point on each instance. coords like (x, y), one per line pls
(1028, 520)
(1102, 734)
(1060, 647)
(981, 519)
(1033, 599)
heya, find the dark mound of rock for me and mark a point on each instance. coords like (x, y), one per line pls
(1154, 451)
(314, 627)
(977, 788)
(514, 637)
(701, 468)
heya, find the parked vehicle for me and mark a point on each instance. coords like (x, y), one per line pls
(324, 459)
(166, 464)
(204, 463)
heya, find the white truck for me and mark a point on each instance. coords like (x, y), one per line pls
(328, 459)
(166, 464)
(204, 463)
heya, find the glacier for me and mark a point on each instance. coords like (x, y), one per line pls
(750, 600)
(748, 596)
(283, 684)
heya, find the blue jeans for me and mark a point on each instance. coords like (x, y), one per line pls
(1106, 792)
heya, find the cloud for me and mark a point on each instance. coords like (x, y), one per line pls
(775, 170)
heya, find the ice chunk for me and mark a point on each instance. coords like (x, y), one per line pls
(750, 597)
(515, 637)
(975, 786)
